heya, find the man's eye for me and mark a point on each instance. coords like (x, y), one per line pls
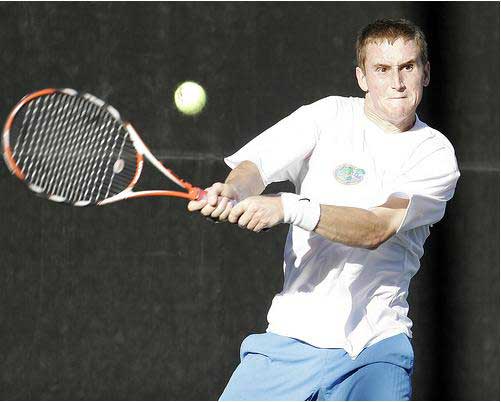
(381, 69)
(409, 67)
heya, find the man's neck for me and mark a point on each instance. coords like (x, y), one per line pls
(385, 125)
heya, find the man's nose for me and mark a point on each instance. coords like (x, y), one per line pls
(397, 82)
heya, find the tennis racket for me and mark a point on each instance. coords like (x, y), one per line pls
(74, 148)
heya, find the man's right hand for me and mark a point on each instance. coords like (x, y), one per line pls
(221, 197)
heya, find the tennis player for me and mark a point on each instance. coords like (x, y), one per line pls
(370, 179)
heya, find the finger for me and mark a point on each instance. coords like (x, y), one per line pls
(245, 218)
(236, 211)
(207, 210)
(213, 193)
(260, 227)
(196, 205)
(253, 223)
(224, 215)
(221, 206)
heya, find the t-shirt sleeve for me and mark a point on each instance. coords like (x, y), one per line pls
(277, 150)
(428, 185)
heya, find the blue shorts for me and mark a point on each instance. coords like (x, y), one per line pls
(275, 367)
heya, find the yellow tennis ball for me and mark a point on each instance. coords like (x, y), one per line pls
(190, 98)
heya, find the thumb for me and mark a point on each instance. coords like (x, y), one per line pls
(213, 193)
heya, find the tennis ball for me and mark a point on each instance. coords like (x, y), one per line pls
(190, 98)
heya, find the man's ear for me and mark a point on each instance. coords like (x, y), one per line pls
(426, 79)
(362, 81)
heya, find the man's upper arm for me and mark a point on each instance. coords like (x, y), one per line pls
(425, 187)
(275, 150)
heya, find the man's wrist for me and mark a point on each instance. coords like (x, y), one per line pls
(300, 211)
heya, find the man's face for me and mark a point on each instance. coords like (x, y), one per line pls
(394, 78)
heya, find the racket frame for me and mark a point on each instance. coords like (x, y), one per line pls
(142, 151)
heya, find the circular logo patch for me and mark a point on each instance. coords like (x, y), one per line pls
(349, 174)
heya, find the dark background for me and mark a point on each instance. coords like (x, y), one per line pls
(142, 300)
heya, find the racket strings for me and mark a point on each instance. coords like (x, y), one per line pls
(69, 179)
(72, 149)
(54, 153)
(104, 147)
(89, 137)
(27, 141)
(110, 182)
(93, 142)
(42, 158)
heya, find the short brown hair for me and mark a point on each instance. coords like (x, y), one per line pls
(391, 30)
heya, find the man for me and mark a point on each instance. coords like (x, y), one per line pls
(370, 178)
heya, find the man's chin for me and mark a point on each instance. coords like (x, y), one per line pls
(400, 116)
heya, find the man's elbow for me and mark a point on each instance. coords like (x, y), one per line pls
(372, 244)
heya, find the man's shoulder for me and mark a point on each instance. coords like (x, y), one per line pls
(334, 107)
(336, 101)
(436, 138)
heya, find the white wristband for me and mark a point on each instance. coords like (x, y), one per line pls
(300, 211)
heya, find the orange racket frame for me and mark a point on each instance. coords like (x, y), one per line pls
(142, 151)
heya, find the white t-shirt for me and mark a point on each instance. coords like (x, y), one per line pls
(336, 296)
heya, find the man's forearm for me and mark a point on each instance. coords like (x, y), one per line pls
(246, 180)
(353, 227)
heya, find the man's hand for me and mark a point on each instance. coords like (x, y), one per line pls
(242, 182)
(220, 199)
(258, 212)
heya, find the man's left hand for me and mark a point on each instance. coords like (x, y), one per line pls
(258, 212)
